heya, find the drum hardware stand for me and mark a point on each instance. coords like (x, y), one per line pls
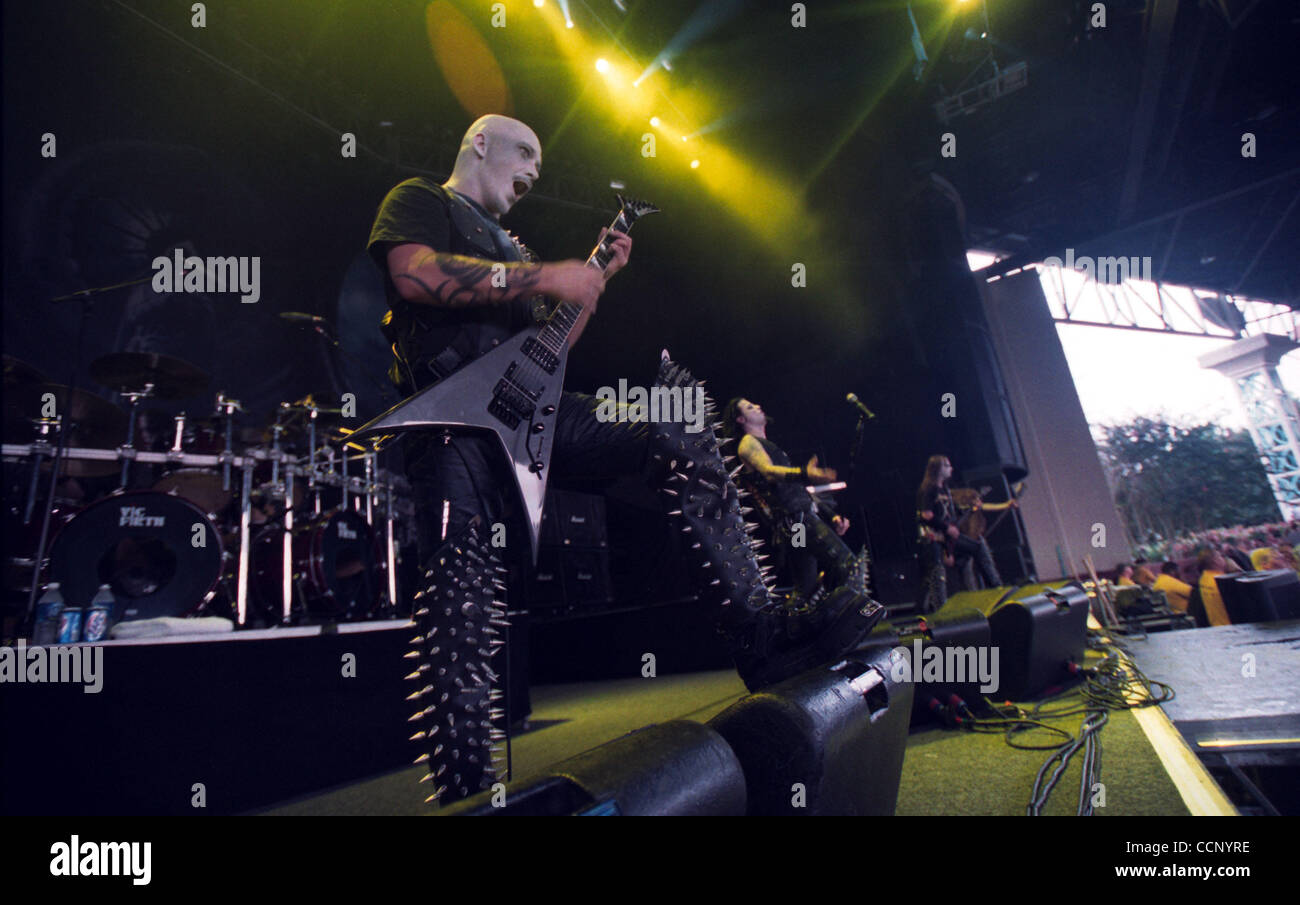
(245, 526)
(126, 452)
(286, 553)
(276, 456)
(227, 407)
(390, 549)
(311, 454)
(371, 489)
(41, 447)
(178, 439)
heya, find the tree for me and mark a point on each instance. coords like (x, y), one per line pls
(1171, 479)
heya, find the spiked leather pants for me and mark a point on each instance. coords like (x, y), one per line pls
(823, 549)
(461, 493)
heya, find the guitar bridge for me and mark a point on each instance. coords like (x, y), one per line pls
(510, 404)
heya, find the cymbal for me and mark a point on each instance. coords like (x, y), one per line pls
(88, 420)
(19, 373)
(172, 378)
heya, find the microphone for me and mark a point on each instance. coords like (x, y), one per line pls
(853, 400)
(299, 317)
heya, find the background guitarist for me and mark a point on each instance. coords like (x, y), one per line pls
(941, 540)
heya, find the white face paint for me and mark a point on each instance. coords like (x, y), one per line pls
(510, 166)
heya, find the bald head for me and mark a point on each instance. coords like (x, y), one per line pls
(499, 160)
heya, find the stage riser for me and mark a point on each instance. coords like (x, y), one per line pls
(255, 721)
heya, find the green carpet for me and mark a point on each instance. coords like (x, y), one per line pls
(957, 772)
(944, 772)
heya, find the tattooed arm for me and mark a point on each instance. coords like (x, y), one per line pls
(429, 277)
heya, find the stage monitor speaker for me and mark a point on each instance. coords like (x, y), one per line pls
(984, 600)
(1261, 596)
(827, 742)
(1038, 637)
(679, 768)
(962, 641)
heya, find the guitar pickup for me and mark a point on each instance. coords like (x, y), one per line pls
(543, 356)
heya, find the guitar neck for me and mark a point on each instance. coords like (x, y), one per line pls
(555, 333)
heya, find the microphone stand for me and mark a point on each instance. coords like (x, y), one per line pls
(858, 431)
(331, 340)
(87, 299)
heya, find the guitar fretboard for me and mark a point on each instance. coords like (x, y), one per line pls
(554, 335)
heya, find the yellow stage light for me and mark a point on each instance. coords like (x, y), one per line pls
(602, 65)
(695, 164)
(654, 122)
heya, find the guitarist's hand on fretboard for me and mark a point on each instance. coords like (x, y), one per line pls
(618, 249)
(573, 282)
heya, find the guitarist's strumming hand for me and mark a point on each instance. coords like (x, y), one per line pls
(818, 474)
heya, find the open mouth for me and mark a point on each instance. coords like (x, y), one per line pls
(521, 188)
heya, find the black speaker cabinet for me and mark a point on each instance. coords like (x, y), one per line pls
(572, 519)
(1037, 637)
(949, 652)
(829, 741)
(571, 578)
(679, 768)
(1261, 596)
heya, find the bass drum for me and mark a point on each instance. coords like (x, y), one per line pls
(161, 555)
(335, 574)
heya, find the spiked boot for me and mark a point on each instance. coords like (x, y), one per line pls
(459, 617)
(769, 641)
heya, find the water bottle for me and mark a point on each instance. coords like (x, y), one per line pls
(99, 614)
(70, 625)
(48, 609)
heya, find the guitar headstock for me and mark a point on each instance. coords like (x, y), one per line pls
(635, 208)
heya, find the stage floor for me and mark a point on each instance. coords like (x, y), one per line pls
(945, 772)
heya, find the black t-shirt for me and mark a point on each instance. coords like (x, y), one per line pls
(789, 497)
(937, 500)
(429, 337)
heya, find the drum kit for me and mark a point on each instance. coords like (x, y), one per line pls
(286, 523)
